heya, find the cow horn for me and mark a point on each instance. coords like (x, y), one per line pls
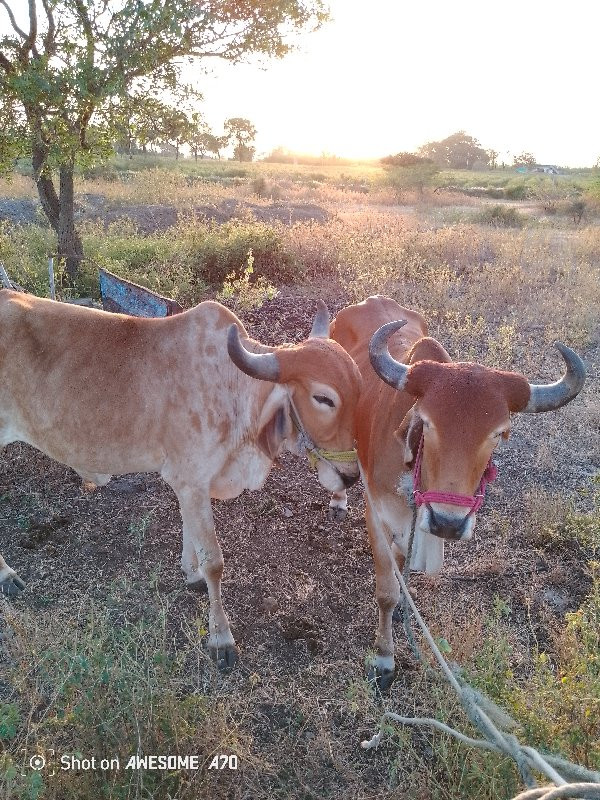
(548, 397)
(263, 366)
(320, 328)
(388, 369)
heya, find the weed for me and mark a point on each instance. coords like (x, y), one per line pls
(244, 293)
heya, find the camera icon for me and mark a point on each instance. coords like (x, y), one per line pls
(37, 762)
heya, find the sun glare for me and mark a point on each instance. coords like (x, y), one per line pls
(390, 79)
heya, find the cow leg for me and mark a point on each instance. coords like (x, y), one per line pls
(189, 565)
(338, 506)
(202, 551)
(387, 593)
(10, 583)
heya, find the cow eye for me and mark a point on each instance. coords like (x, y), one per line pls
(327, 401)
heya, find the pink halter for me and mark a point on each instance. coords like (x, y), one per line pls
(474, 503)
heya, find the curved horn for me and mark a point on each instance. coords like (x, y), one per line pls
(320, 328)
(548, 397)
(388, 369)
(263, 366)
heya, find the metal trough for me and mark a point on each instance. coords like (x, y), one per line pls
(126, 297)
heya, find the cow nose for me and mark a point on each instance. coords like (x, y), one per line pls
(444, 526)
(348, 480)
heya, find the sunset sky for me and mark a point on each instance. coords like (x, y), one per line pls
(385, 76)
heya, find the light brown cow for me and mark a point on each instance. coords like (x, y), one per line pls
(111, 394)
(459, 411)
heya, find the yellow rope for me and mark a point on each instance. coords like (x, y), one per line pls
(330, 455)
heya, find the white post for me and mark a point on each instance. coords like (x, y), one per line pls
(5, 279)
(51, 276)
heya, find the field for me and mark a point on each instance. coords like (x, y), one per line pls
(103, 653)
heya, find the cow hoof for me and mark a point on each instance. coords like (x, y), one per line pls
(381, 671)
(224, 657)
(336, 514)
(12, 586)
(198, 586)
(381, 679)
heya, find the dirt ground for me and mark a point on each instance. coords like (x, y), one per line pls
(156, 218)
(298, 588)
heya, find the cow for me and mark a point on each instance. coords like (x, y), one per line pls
(190, 396)
(425, 425)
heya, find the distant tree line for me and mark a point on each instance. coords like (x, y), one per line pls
(147, 124)
(458, 151)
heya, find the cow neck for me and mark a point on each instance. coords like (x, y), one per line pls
(474, 503)
(313, 452)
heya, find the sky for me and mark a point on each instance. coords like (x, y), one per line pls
(386, 76)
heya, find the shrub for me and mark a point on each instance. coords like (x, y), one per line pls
(262, 188)
(214, 251)
(416, 176)
(500, 217)
(517, 190)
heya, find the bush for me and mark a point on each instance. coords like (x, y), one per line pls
(262, 188)
(517, 190)
(214, 251)
(500, 217)
(417, 176)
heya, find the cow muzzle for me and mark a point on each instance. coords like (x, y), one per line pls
(448, 526)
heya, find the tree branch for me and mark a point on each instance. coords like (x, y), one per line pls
(6, 64)
(50, 37)
(13, 21)
(29, 43)
(87, 29)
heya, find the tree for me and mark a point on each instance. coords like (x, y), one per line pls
(63, 74)
(214, 144)
(244, 152)
(405, 160)
(525, 159)
(197, 135)
(176, 129)
(244, 132)
(492, 158)
(458, 151)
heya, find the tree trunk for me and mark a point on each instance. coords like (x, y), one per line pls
(45, 187)
(70, 247)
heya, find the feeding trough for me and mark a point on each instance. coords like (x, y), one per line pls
(126, 297)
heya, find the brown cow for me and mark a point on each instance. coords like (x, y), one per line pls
(458, 411)
(184, 396)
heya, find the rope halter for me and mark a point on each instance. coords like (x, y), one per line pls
(474, 503)
(314, 453)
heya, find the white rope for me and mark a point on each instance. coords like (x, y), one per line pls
(474, 703)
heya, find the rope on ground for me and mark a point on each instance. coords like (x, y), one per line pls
(483, 713)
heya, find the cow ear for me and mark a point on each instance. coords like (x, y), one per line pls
(419, 377)
(409, 435)
(273, 433)
(516, 390)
